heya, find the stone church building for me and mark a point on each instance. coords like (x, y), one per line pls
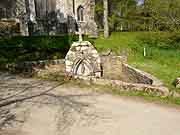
(50, 17)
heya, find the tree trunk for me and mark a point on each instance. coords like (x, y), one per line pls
(106, 25)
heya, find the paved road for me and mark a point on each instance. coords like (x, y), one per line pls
(71, 110)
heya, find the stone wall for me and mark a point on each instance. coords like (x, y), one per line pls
(124, 86)
(112, 67)
(11, 11)
(10, 27)
(41, 68)
(137, 76)
(89, 63)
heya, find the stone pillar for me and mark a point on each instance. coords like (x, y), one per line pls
(21, 14)
(93, 30)
(70, 16)
(92, 4)
(31, 15)
(31, 11)
(20, 9)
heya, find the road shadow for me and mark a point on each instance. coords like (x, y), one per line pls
(17, 92)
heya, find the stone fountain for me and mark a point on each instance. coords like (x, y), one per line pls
(83, 60)
(84, 63)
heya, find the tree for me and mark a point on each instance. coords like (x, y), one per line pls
(138, 15)
(106, 24)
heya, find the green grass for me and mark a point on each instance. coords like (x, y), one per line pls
(163, 52)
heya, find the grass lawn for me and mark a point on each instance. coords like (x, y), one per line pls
(162, 49)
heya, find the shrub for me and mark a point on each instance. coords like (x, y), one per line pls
(161, 40)
(15, 49)
(33, 48)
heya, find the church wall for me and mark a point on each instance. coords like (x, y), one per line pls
(62, 10)
(89, 26)
(7, 9)
(86, 5)
(44, 7)
(50, 17)
(40, 8)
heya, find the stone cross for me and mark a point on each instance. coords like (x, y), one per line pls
(80, 34)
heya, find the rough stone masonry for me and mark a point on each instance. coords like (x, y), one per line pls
(51, 17)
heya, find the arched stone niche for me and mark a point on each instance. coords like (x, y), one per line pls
(83, 60)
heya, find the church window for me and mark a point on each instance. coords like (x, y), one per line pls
(2, 13)
(80, 13)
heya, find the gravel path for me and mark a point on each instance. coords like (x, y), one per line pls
(50, 109)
